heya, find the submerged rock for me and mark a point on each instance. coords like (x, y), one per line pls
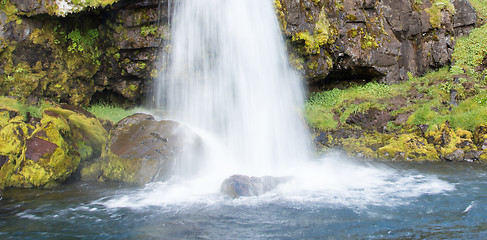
(241, 185)
(141, 149)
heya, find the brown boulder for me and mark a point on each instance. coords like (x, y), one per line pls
(141, 149)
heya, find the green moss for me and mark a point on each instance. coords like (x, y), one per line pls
(90, 129)
(121, 170)
(149, 30)
(323, 33)
(10, 10)
(281, 15)
(408, 146)
(93, 3)
(77, 138)
(435, 11)
(448, 140)
(368, 41)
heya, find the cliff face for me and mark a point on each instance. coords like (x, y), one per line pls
(83, 53)
(107, 49)
(335, 40)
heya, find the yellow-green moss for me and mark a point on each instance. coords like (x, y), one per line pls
(408, 146)
(365, 145)
(281, 15)
(323, 33)
(77, 138)
(435, 11)
(448, 141)
(121, 170)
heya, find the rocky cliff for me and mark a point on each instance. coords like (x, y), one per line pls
(333, 41)
(80, 52)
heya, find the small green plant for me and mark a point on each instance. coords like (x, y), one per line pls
(110, 112)
(149, 30)
(84, 42)
(14, 104)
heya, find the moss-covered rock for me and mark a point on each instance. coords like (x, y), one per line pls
(451, 144)
(58, 7)
(47, 152)
(408, 147)
(97, 50)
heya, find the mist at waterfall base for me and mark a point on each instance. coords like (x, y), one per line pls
(227, 78)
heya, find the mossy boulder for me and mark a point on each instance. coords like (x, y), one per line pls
(142, 149)
(451, 144)
(57, 7)
(45, 152)
(410, 143)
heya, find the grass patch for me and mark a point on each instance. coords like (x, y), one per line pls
(481, 8)
(470, 51)
(426, 98)
(329, 109)
(23, 108)
(110, 112)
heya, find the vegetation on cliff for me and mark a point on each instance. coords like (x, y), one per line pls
(437, 116)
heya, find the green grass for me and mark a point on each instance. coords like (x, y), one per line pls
(329, 110)
(23, 108)
(481, 8)
(110, 112)
(470, 51)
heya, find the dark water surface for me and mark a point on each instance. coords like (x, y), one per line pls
(86, 211)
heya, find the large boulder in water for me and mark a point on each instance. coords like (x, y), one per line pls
(142, 149)
(241, 185)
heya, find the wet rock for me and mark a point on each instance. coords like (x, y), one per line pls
(245, 186)
(472, 156)
(141, 149)
(456, 156)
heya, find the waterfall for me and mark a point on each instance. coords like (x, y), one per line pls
(227, 75)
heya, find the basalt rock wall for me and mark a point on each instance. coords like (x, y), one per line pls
(343, 40)
(107, 50)
(80, 53)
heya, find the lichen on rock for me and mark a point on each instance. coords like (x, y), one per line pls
(47, 151)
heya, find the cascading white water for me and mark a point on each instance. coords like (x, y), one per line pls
(228, 76)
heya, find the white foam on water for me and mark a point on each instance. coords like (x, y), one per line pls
(334, 180)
